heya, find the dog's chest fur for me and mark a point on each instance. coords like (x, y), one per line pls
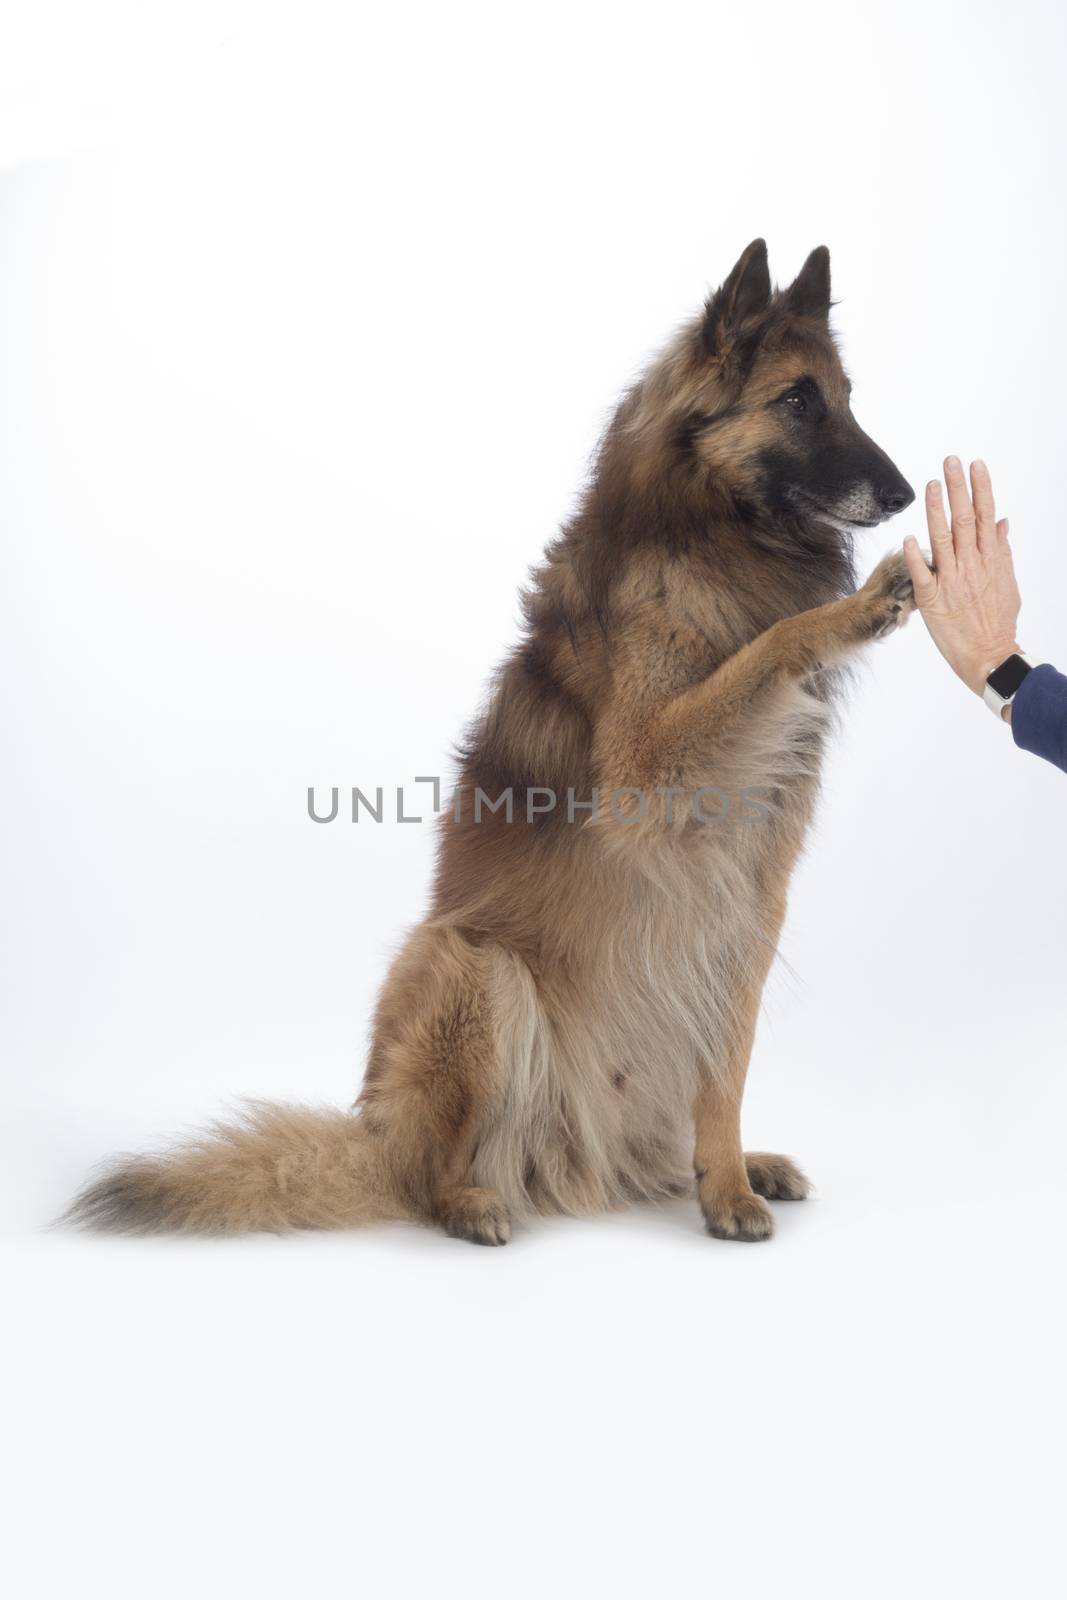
(650, 933)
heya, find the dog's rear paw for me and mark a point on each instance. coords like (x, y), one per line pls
(889, 596)
(741, 1216)
(478, 1215)
(776, 1177)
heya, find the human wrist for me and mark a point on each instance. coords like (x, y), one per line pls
(977, 668)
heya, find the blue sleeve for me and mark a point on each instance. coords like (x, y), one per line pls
(1039, 715)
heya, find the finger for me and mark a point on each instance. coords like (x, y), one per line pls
(940, 533)
(922, 579)
(963, 523)
(984, 509)
(1003, 530)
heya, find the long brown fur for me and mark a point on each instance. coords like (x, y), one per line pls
(569, 1029)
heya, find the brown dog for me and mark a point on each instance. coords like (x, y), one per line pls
(613, 871)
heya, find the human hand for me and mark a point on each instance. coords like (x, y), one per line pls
(970, 601)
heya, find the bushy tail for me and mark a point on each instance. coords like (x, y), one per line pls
(273, 1168)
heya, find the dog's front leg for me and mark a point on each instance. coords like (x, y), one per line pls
(732, 1210)
(688, 724)
(733, 1186)
(654, 743)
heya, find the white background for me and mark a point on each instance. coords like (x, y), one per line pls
(310, 320)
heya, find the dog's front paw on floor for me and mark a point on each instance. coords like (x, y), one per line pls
(743, 1217)
(775, 1177)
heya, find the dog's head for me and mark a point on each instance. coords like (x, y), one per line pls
(755, 394)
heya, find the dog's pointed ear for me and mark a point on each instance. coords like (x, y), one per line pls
(745, 294)
(809, 294)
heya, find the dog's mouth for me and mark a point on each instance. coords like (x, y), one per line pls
(839, 517)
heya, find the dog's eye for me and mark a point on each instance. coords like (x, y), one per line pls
(795, 401)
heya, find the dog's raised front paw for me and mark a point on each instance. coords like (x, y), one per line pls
(888, 595)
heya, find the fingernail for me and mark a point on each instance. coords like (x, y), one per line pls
(911, 541)
(979, 465)
(953, 464)
(933, 488)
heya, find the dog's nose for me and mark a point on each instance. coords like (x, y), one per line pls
(894, 500)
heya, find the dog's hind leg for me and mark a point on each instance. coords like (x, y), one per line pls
(775, 1177)
(434, 1076)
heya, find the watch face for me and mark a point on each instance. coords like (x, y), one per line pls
(1008, 676)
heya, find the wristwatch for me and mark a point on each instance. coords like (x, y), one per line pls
(1005, 681)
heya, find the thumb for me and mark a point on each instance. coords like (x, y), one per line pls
(923, 581)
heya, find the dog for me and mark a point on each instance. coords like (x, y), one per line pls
(569, 1029)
